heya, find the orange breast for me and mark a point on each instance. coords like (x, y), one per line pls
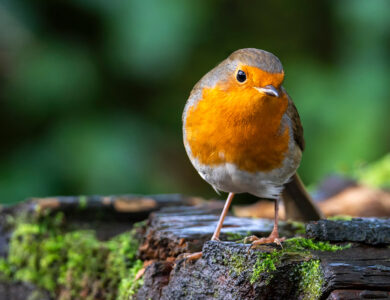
(239, 126)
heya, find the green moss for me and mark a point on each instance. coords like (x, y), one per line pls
(237, 237)
(72, 264)
(237, 262)
(340, 218)
(232, 236)
(84, 264)
(140, 224)
(268, 262)
(129, 285)
(310, 278)
(34, 253)
(121, 257)
(5, 269)
(300, 244)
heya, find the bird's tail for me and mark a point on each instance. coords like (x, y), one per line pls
(297, 202)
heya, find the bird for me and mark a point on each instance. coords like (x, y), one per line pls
(243, 134)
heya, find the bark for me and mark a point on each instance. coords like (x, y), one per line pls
(228, 269)
(225, 270)
(177, 230)
(371, 231)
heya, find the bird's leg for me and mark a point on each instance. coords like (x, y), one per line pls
(225, 210)
(274, 236)
(215, 237)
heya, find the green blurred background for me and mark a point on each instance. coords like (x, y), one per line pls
(92, 91)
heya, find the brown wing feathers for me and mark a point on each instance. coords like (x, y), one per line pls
(297, 202)
(292, 112)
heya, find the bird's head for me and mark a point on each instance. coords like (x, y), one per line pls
(255, 70)
(247, 82)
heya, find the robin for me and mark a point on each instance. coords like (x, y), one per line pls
(243, 134)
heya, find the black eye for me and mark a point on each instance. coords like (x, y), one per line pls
(241, 76)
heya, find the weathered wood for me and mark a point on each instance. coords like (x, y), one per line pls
(225, 270)
(119, 207)
(156, 278)
(358, 294)
(360, 267)
(107, 215)
(173, 231)
(370, 231)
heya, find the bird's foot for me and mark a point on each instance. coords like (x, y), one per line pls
(273, 238)
(190, 256)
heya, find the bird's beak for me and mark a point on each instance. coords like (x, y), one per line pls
(269, 90)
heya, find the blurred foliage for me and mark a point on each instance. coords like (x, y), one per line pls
(376, 174)
(91, 92)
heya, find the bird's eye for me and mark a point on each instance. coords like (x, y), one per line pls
(241, 76)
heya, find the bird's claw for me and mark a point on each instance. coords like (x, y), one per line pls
(265, 240)
(190, 256)
(250, 239)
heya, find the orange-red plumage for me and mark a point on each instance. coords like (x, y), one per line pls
(234, 123)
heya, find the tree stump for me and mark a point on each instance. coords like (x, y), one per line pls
(233, 270)
(344, 259)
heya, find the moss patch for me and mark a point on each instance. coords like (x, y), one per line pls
(237, 262)
(129, 285)
(340, 218)
(302, 244)
(311, 279)
(267, 262)
(234, 236)
(237, 237)
(70, 264)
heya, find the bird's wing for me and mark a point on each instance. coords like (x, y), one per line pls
(293, 114)
(297, 201)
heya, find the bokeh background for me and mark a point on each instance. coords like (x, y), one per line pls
(92, 91)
